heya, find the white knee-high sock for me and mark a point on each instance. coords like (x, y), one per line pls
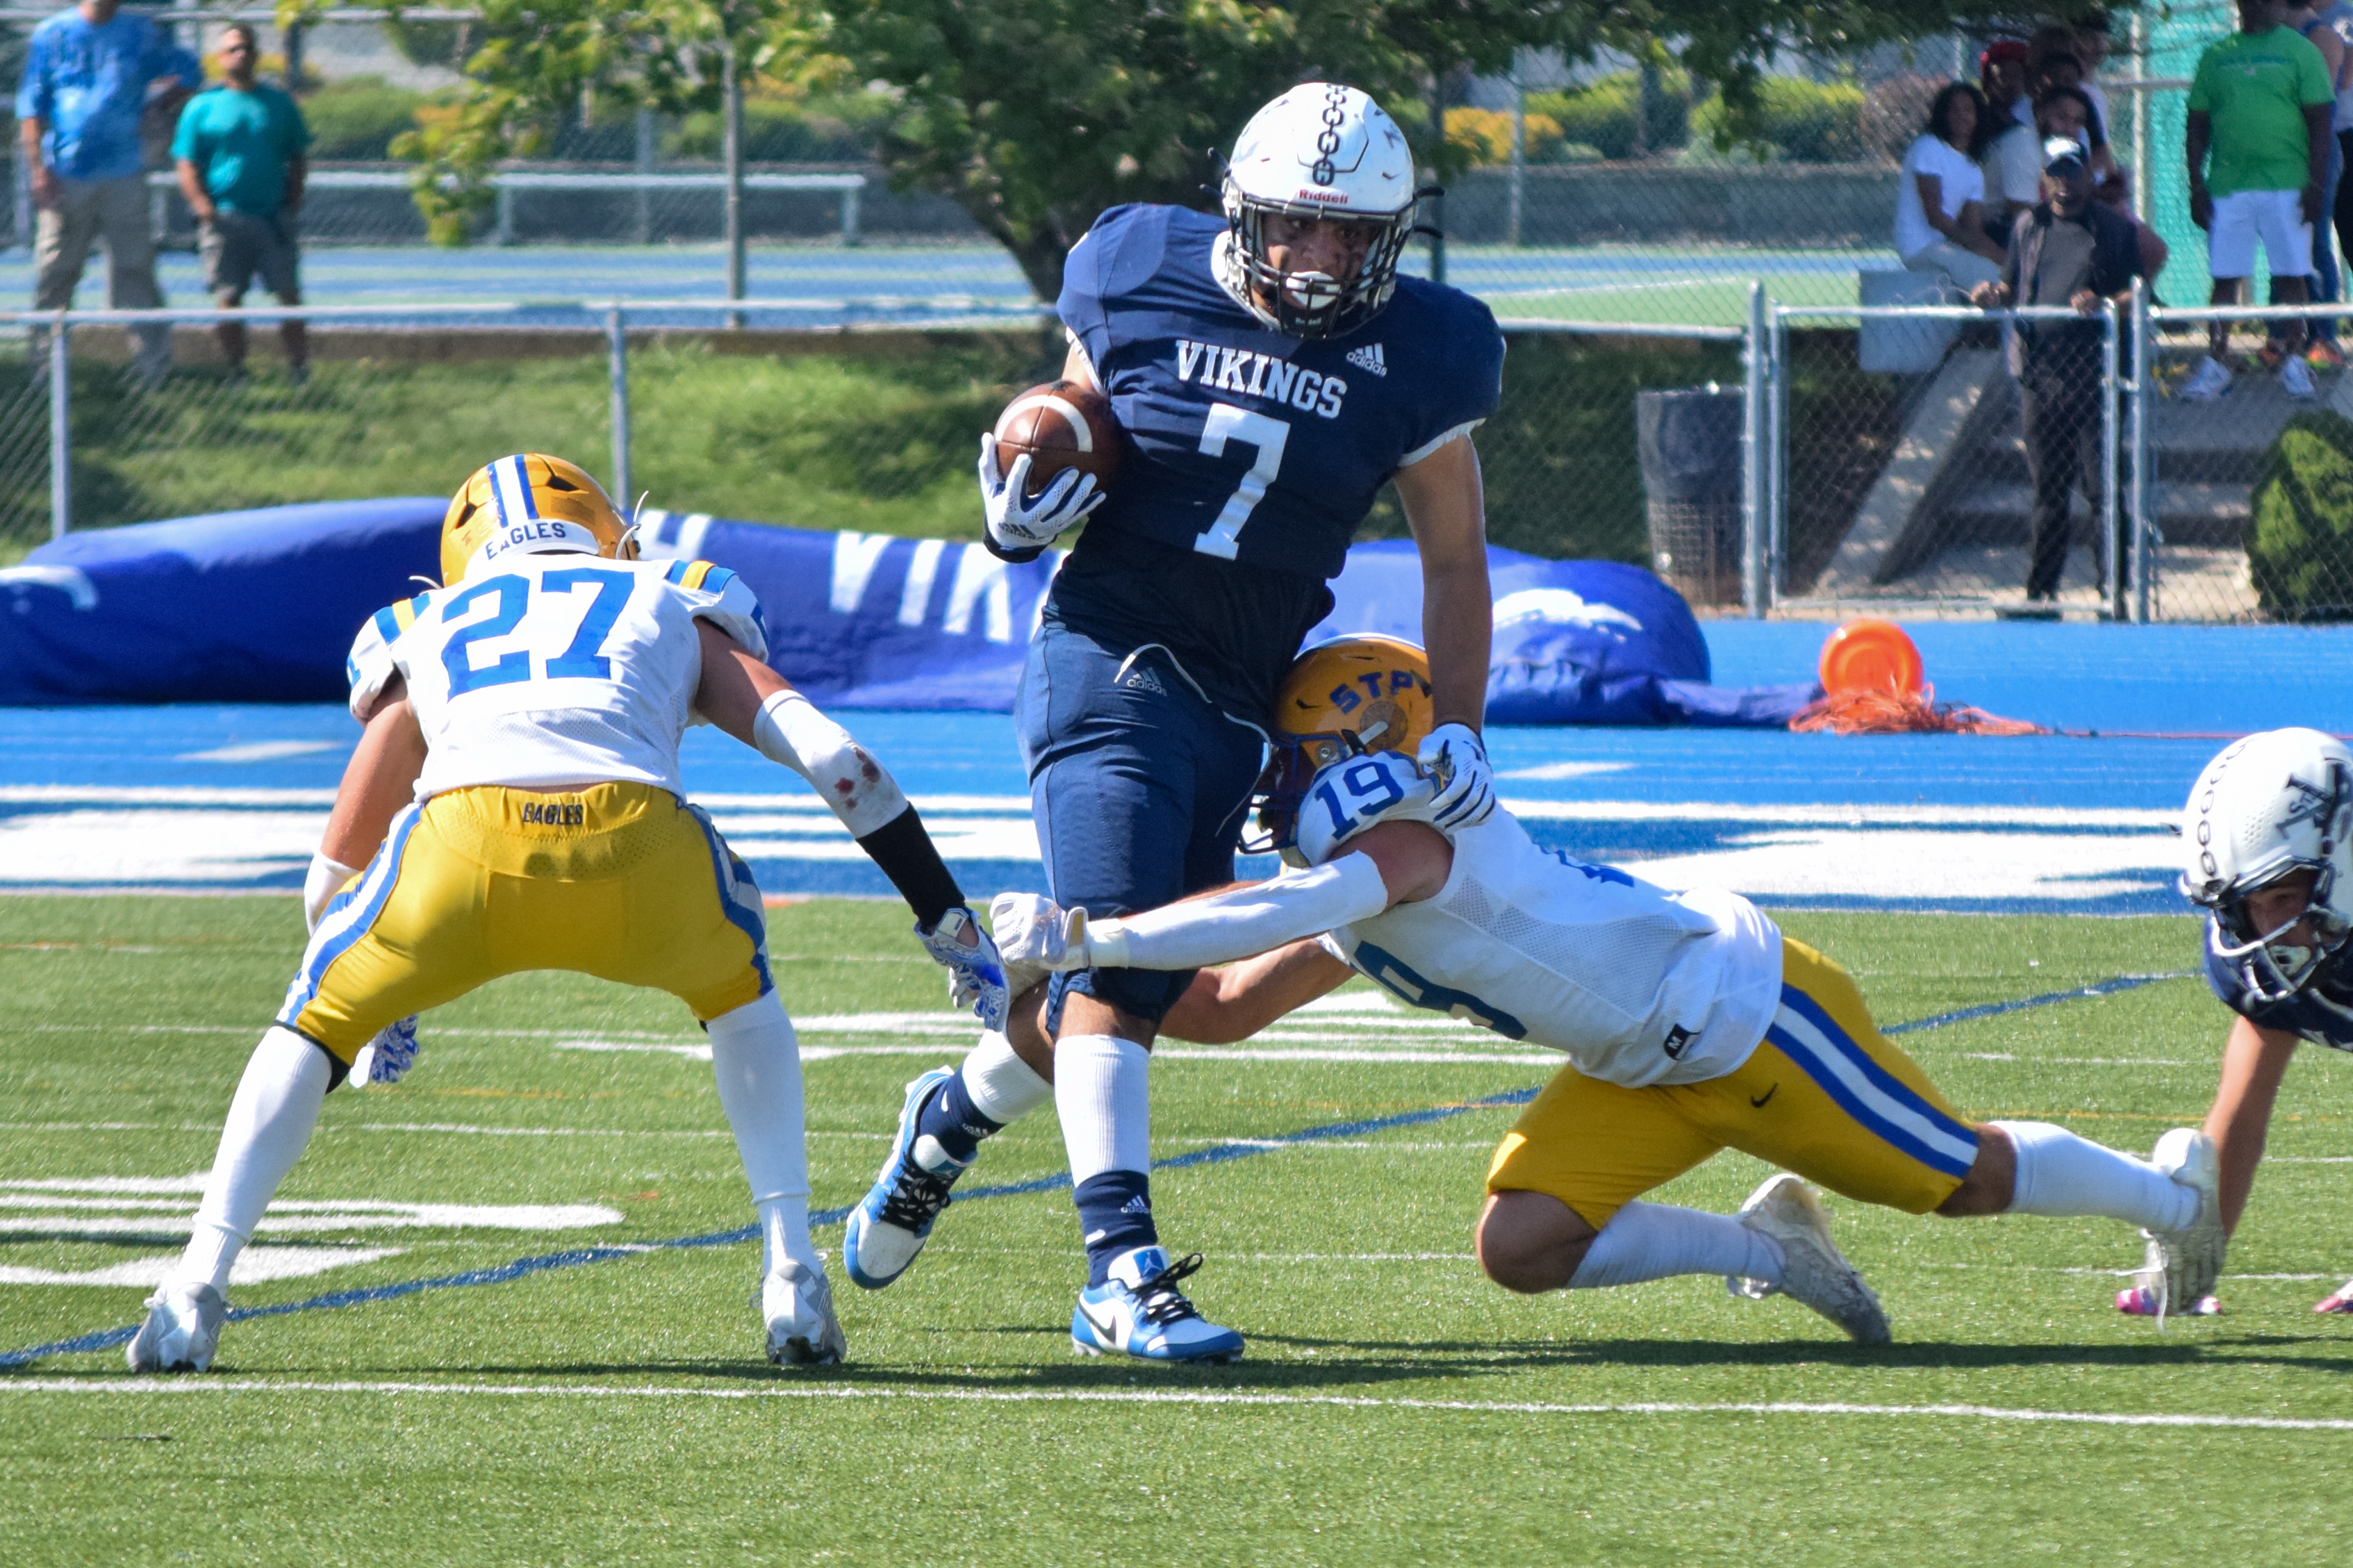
(269, 1124)
(1102, 1092)
(2060, 1174)
(757, 1063)
(1653, 1241)
(1002, 1087)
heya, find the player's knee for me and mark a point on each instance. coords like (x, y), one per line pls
(1991, 1180)
(1529, 1243)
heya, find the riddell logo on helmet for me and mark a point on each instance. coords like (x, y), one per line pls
(1307, 194)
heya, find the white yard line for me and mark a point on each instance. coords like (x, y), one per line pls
(121, 1384)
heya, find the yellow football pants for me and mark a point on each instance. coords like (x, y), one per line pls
(622, 881)
(1824, 1095)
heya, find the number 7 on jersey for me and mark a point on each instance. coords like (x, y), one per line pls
(1226, 422)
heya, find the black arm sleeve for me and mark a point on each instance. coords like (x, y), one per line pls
(906, 855)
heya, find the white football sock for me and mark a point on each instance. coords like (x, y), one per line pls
(269, 1124)
(758, 1062)
(1002, 1087)
(2060, 1174)
(1653, 1241)
(1102, 1092)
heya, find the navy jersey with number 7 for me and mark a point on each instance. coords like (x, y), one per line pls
(1254, 455)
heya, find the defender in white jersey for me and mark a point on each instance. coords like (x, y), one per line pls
(529, 713)
(1691, 1024)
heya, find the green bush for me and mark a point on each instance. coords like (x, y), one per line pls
(834, 128)
(1600, 115)
(2300, 542)
(1801, 121)
(356, 118)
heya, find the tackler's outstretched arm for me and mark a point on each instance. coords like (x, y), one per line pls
(1394, 863)
(752, 703)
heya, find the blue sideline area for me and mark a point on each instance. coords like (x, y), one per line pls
(200, 797)
(574, 1258)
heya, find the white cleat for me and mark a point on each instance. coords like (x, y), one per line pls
(181, 1331)
(798, 1303)
(1814, 1273)
(1139, 1312)
(2181, 1266)
(2210, 381)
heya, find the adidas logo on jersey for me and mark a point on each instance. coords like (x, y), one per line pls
(1369, 358)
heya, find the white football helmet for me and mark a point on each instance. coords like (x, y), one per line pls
(2268, 807)
(1320, 151)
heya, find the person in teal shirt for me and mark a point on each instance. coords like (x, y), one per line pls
(239, 151)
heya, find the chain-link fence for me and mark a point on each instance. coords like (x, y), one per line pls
(871, 431)
(1895, 466)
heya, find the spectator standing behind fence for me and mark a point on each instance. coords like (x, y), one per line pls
(87, 75)
(2068, 111)
(2261, 105)
(239, 152)
(2316, 23)
(2339, 19)
(2012, 168)
(1939, 196)
(2070, 250)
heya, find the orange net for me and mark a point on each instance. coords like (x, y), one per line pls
(1855, 712)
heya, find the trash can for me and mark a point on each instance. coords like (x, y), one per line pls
(1688, 440)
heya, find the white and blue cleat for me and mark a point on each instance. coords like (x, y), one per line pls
(890, 1223)
(1139, 1312)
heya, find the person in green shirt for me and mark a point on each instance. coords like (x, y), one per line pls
(2261, 108)
(239, 151)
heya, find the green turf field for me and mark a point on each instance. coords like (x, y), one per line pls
(1394, 1407)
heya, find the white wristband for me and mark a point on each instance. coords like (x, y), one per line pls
(1244, 921)
(326, 879)
(791, 731)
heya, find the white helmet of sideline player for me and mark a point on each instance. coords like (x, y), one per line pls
(2271, 805)
(1321, 151)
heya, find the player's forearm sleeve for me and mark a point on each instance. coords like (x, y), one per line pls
(790, 730)
(1242, 922)
(906, 855)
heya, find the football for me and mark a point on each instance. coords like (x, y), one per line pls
(1061, 425)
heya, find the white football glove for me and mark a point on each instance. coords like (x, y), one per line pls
(388, 1056)
(1018, 523)
(976, 973)
(1032, 931)
(1454, 760)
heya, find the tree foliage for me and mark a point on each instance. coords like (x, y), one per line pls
(1035, 115)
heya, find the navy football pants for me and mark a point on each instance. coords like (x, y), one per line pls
(1139, 784)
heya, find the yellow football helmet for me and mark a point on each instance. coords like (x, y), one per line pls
(1341, 699)
(527, 503)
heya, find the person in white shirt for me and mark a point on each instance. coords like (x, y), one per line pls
(1691, 1024)
(1939, 194)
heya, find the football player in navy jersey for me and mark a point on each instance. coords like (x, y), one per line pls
(2267, 839)
(1273, 370)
